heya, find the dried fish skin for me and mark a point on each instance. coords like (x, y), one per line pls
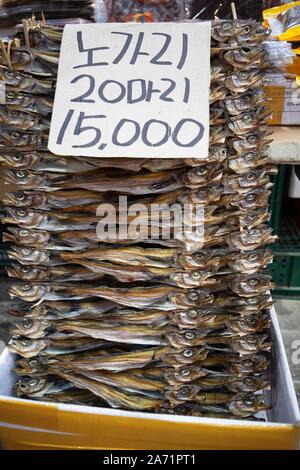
(28, 348)
(52, 272)
(111, 395)
(193, 393)
(58, 310)
(30, 328)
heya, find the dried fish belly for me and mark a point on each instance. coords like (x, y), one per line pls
(149, 323)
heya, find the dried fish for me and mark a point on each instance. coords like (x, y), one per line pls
(251, 239)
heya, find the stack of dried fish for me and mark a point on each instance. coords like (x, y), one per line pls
(165, 325)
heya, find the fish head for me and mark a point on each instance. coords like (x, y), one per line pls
(253, 284)
(23, 178)
(28, 273)
(27, 347)
(203, 175)
(191, 317)
(187, 373)
(24, 217)
(188, 279)
(18, 160)
(224, 29)
(255, 218)
(16, 118)
(256, 342)
(244, 404)
(28, 254)
(184, 393)
(19, 199)
(253, 261)
(30, 328)
(12, 78)
(253, 364)
(186, 338)
(28, 292)
(249, 384)
(249, 324)
(28, 385)
(198, 297)
(27, 237)
(258, 302)
(201, 259)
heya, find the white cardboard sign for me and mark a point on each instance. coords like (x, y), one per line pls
(133, 90)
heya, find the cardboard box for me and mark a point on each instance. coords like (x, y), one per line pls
(26, 424)
(284, 104)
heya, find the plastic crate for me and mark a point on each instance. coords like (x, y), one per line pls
(285, 269)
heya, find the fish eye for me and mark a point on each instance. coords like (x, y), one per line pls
(14, 113)
(243, 75)
(184, 391)
(32, 382)
(249, 156)
(21, 174)
(253, 282)
(248, 363)
(23, 233)
(201, 170)
(252, 300)
(9, 74)
(250, 177)
(26, 287)
(27, 251)
(250, 321)
(226, 26)
(15, 135)
(27, 323)
(192, 313)
(24, 342)
(249, 401)
(17, 157)
(199, 256)
(25, 269)
(193, 295)
(20, 196)
(10, 94)
(246, 50)
(252, 139)
(252, 339)
(196, 275)
(250, 197)
(247, 118)
(189, 335)
(247, 29)
(254, 232)
(253, 257)
(187, 353)
(33, 362)
(21, 213)
(185, 372)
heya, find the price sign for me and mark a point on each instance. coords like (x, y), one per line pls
(133, 90)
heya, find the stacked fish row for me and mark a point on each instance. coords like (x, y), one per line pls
(158, 324)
